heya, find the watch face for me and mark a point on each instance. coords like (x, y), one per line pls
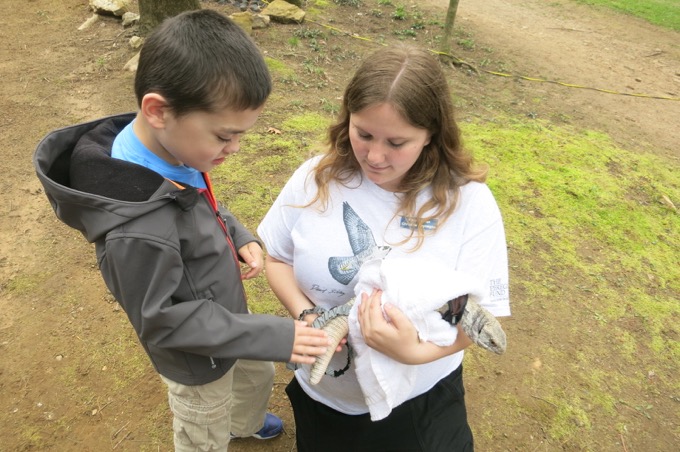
(452, 310)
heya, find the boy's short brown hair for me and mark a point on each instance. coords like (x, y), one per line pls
(202, 61)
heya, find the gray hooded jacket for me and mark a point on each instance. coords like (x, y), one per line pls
(166, 254)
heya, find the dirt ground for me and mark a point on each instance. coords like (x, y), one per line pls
(65, 377)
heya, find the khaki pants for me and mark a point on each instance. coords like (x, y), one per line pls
(205, 415)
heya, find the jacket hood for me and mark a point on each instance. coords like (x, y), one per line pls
(92, 192)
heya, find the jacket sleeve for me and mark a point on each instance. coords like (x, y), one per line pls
(239, 234)
(146, 288)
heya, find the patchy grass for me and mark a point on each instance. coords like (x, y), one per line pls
(595, 215)
(250, 181)
(591, 212)
(576, 189)
(23, 284)
(279, 69)
(665, 13)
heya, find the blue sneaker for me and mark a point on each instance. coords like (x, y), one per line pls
(273, 426)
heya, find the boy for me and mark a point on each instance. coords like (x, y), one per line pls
(137, 186)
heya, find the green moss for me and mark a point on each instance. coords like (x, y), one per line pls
(579, 209)
(32, 437)
(565, 189)
(665, 13)
(568, 421)
(261, 300)
(23, 284)
(308, 122)
(250, 180)
(279, 68)
(626, 344)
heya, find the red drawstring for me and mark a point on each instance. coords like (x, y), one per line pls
(213, 202)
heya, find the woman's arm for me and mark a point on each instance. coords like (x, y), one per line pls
(398, 338)
(282, 281)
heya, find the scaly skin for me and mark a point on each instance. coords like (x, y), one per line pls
(483, 328)
(336, 328)
(478, 323)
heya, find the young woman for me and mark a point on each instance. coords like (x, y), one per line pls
(395, 182)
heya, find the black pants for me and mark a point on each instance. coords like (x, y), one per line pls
(432, 422)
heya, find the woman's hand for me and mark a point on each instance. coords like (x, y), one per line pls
(253, 256)
(396, 336)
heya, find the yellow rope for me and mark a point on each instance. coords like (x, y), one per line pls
(502, 74)
(571, 85)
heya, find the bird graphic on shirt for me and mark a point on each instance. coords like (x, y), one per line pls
(344, 269)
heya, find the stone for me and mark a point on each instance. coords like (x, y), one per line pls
(135, 42)
(110, 7)
(243, 20)
(130, 18)
(283, 12)
(260, 21)
(132, 64)
(88, 23)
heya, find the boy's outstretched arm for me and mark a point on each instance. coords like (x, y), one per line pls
(307, 339)
(308, 343)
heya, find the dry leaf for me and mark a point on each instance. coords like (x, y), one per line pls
(668, 202)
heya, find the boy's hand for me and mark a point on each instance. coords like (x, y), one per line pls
(309, 343)
(252, 255)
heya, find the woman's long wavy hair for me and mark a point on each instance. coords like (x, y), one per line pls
(411, 81)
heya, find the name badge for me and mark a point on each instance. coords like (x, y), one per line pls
(412, 223)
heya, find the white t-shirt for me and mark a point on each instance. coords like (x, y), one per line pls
(327, 247)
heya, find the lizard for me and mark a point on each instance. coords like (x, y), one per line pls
(477, 322)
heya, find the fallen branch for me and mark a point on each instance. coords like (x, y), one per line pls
(543, 400)
(122, 439)
(623, 443)
(457, 62)
(120, 430)
(568, 29)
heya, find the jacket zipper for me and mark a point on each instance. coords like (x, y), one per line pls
(213, 202)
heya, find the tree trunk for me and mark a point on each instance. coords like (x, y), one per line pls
(152, 12)
(448, 27)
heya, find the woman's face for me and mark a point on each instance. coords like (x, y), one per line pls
(385, 144)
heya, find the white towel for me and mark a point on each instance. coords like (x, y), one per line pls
(417, 287)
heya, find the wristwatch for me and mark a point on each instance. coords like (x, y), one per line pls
(454, 309)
